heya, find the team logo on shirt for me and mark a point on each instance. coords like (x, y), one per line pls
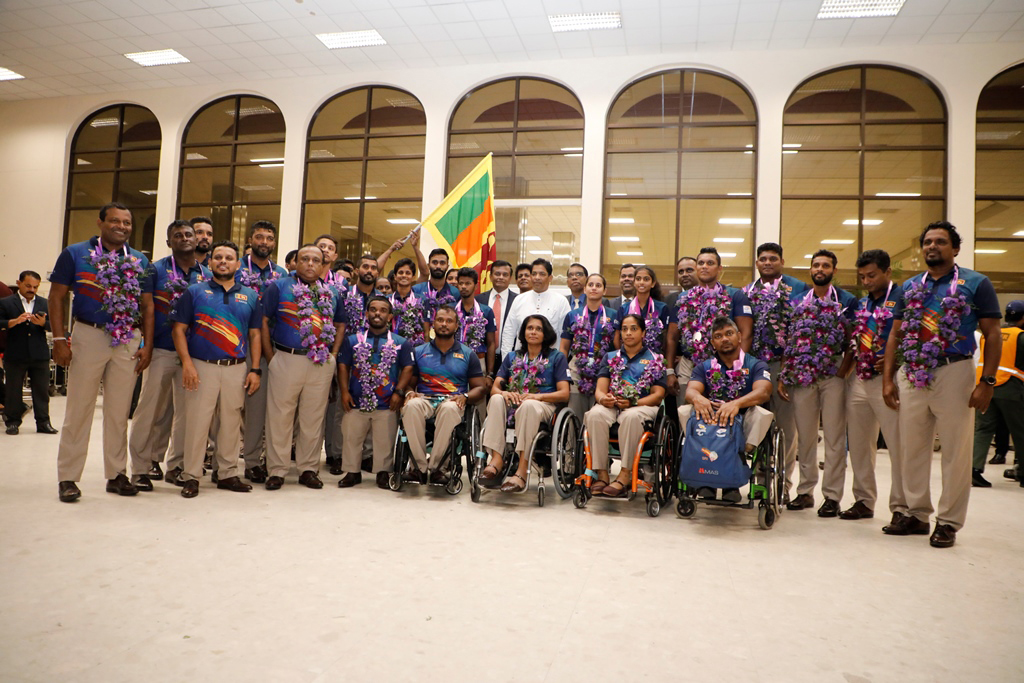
(890, 304)
(644, 361)
(241, 297)
(746, 309)
(459, 356)
(961, 282)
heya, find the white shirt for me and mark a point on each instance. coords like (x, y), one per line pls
(30, 306)
(551, 305)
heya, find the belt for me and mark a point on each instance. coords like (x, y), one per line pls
(98, 326)
(288, 349)
(223, 361)
(955, 358)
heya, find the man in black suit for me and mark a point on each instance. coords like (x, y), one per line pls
(627, 272)
(26, 319)
(499, 298)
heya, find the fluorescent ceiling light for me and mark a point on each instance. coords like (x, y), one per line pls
(194, 156)
(356, 199)
(801, 267)
(622, 221)
(630, 253)
(790, 151)
(588, 21)
(837, 241)
(101, 123)
(989, 251)
(572, 149)
(855, 9)
(572, 155)
(997, 135)
(531, 238)
(464, 145)
(271, 165)
(806, 256)
(727, 254)
(734, 221)
(403, 221)
(1019, 233)
(624, 238)
(866, 221)
(157, 57)
(250, 111)
(344, 39)
(320, 154)
(729, 240)
(541, 252)
(897, 194)
(268, 159)
(255, 188)
(738, 194)
(8, 75)
(617, 194)
(149, 192)
(792, 144)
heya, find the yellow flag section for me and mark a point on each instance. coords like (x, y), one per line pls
(463, 224)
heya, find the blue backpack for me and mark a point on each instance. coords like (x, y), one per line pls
(710, 455)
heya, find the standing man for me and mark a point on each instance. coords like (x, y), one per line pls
(111, 303)
(303, 327)
(686, 275)
(161, 403)
(357, 298)
(203, 228)
(538, 301)
(384, 361)
(476, 321)
(435, 291)
(329, 246)
(222, 321)
(865, 408)
(627, 272)
(576, 278)
(934, 330)
(26, 319)
(524, 275)
(1007, 397)
(499, 300)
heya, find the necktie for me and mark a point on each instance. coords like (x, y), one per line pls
(497, 316)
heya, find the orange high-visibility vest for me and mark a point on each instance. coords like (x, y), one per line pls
(1008, 360)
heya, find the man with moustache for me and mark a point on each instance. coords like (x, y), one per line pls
(499, 299)
(203, 228)
(469, 309)
(540, 300)
(524, 275)
(25, 318)
(329, 246)
(436, 291)
(627, 272)
(686, 275)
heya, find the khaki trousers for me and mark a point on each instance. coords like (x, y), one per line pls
(756, 423)
(176, 453)
(447, 415)
(151, 425)
(943, 408)
(221, 392)
(95, 360)
(598, 422)
(255, 420)
(827, 398)
(865, 413)
(298, 384)
(529, 416)
(684, 369)
(785, 418)
(355, 425)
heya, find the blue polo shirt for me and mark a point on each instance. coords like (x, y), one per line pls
(557, 370)
(75, 272)
(892, 302)
(446, 373)
(979, 293)
(489, 326)
(635, 367)
(404, 360)
(282, 312)
(570, 320)
(159, 281)
(754, 369)
(264, 273)
(218, 319)
(432, 298)
(353, 294)
(664, 313)
(847, 301)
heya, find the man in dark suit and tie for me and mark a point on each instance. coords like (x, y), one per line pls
(499, 298)
(26, 319)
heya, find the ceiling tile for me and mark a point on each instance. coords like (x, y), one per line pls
(995, 21)
(981, 37)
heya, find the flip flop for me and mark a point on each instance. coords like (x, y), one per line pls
(614, 493)
(510, 487)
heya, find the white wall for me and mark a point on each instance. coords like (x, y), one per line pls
(35, 136)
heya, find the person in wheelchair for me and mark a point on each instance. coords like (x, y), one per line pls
(530, 383)
(630, 388)
(449, 376)
(729, 384)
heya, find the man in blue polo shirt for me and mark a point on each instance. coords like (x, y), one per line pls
(942, 396)
(436, 291)
(217, 323)
(377, 412)
(303, 327)
(105, 274)
(449, 377)
(476, 320)
(153, 418)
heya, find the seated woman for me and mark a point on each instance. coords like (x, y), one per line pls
(529, 383)
(630, 387)
(587, 335)
(729, 384)
(648, 305)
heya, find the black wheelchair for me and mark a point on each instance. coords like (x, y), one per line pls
(464, 444)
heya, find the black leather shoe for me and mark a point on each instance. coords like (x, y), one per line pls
(707, 493)
(155, 472)
(234, 484)
(350, 479)
(830, 508)
(173, 476)
(311, 479)
(732, 495)
(906, 525)
(415, 476)
(439, 477)
(382, 480)
(998, 459)
(335, 467)
(45, 428)
(142, 482)
(1011, 474)
(12, 430)
(190, 489)
(68, 491)
(943, 537)
(122, 486)
(801, 502)
(858, 510)
(256, 475)
(274, 483)
(979, 481)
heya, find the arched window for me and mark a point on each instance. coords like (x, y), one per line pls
(364, 170)
(680, 174)
(999, 188)
(535, 129)
(115, 156)
(863, 167)
(232, 162)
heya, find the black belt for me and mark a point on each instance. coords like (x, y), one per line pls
(288, 349)
(223, 361)
(955, 358)
(98, 326)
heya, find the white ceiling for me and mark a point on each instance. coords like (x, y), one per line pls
(68, 47)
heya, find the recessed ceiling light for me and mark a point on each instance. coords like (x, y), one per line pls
(194, 156)
(792, 144)
(1019, 233)
(630, 253)
(837, 241)
(108, 121)
(866, 221)
(541, 252)
(622, 221)
(734, 221)
(250, 111)
(572, 155)
(738, 194)
(344, 39)
(727, 254)
(588, 21)
(897, 194)
(531, 238)
(855, 9)
(989, 251)
(8, 75)
(356, 199)
(617, 194)
(276, 165)
(790, 151)
(572, 149)
(268, 159)
(624, 238)
(729, 240)
(808, 255)
(321, 154)
(157, 57)
(403, 221)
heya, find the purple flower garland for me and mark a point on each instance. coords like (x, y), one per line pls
(407, 318)
(816, 335)
(634, 391)
(118, 272)
(921, 356)
(372, 376)
(434, 300)
(472, 328)
(868, 340)
(586, 351)
(355, 310)
(255, 280)
(772, 312)
(696, 311)
(316, 300)
(726, 384)
(523, 378)
(654, 327)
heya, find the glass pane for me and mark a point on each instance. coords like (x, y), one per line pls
(649, 225)
(144, 229)
(385, 222)
(642, 174)
(740, 137)
(340, 220)
(626, 139)
(556, 175)
(998, 218)
(263, 153)
(504, 184)
(717, 172)
(328, 180)
(892, 94)
(137, 188)
(205, 186)
(91, 189)
(258, 184)
(899, 230)
(1001, 262)
(1003, 98)
(1000, 173)
(550, 141)
(97, 161)
(81, 225)
(906, 134)
(214, 123)
(331, 149)
(396, 111)
(552, 232)
(220, 215)
(806, 222)
(1000, 135)
(395, 178)
(480, 143)
(343, 115)
(834, 96)
(547, 105)
(821, 173)
(652, 100)
(908, 171)
(149, 158)
(100, 131)
(492, 106)
(414, 145)
(702, 221)
(259, 119)
(708, 97)
(197, 156)
(821, 136)
(141, 128)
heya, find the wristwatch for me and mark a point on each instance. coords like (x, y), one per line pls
(257, 371)
(989, 380)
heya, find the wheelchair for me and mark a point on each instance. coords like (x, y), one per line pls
(767, 482)
(552, 453)
(654, 465)
(465, 443)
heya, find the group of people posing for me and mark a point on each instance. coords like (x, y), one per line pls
(311, 358)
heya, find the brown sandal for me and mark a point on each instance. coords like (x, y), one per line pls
(597, 487)
(510, 487)
(490, 480)
(616, 493)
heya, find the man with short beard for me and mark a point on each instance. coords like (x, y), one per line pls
(468, 309)
(203, 228)
(436, 291)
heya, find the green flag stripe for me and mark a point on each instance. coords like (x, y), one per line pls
(465, 211)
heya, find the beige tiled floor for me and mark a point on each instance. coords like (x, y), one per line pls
(362, 584)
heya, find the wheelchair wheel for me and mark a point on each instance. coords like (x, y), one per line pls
(540, 496)
(653, 506)
(566, 458)
(454, 485)
(765, 516)
(685, 508)
(579, 498)
(663, 461)
(777, 467)
(474, 491)
(401, 452)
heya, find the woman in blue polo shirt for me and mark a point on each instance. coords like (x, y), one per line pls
(529, 383)
(588, 334)
(648, 305)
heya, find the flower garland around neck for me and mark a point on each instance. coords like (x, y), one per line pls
(178, 282)
(772, 312)
(316, 299)
(355, 309)
(372, 376)
(254, 280)
(697, 310)
(866, 330)
(816, 335)
(654, 326)
(589, 345)
(523, 378)
(472, 327)
(435, 299)
(119, 273)
(633, 391)
(407, 318)
(726, 384)
(920, 354)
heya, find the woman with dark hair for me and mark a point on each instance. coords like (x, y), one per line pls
(532, 379)
(408, 318)
(588, 334)
(647, 304)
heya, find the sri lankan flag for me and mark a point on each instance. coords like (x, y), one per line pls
(463, 224)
